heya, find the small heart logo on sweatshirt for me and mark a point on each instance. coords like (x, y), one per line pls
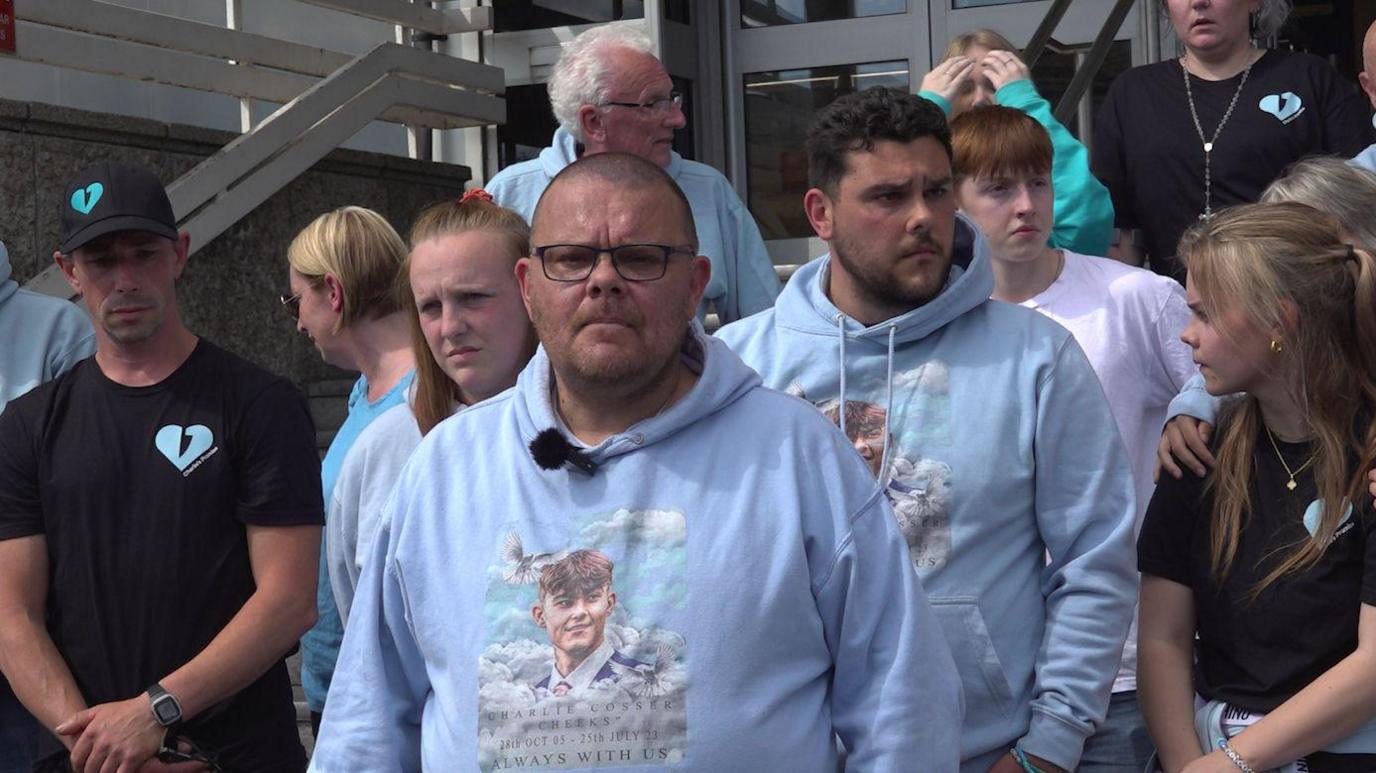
(170, 439)
(1285, 106)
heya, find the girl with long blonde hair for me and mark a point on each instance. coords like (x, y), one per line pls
(1259, 580)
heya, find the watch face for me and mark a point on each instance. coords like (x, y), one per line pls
(165, 709)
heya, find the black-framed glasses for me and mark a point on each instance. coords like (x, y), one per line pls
(633, 262)
(675, 99)
(292, 303)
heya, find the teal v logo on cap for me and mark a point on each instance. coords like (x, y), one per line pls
(169, 441)
(84, 199)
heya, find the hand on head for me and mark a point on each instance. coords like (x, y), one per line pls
(957, 75)
(948, 78)
(1003, 68)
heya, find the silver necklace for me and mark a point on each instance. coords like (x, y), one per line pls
(1209, 143)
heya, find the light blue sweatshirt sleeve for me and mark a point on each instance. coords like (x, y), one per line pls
(1194, 400)
(1084, 211)
(754, 285)
(73, 341)
(372, 718)
(896, 695)
(1086, 508)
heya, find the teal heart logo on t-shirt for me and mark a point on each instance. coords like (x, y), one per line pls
(170, 438)
(1284, 106)
(1314, 513)
(84, 199)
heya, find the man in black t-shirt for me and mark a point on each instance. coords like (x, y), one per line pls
(160, 517)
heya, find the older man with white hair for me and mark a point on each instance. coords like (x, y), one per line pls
(610, 93)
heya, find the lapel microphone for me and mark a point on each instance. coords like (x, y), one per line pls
(551, 451)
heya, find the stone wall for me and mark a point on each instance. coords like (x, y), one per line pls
(229, 291)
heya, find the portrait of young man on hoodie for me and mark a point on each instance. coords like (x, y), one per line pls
(1030, 563)
(761, 579)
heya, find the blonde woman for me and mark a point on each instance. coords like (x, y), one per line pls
(343, 271)
(1257, 647)
(470, 336)
(982, 67)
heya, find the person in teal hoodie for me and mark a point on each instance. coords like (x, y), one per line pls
(995, 443)
(720, 576)
(610, 93)
(981, 67)
(44, 337)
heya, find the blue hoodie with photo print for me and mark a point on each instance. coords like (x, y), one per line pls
(997, 449)
(728, 587)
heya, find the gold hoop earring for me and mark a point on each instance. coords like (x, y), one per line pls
(1276, 347)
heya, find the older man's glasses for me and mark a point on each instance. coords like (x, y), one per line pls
(633, 262)
(656, 106)
(292, 303)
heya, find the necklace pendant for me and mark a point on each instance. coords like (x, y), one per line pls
(1208, 147)
(1291, 485)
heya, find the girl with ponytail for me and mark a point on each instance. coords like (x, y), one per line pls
(1258, 607)
(471, 338)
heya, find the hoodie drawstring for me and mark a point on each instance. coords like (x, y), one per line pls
(888, 405)
(841, 331)
(888, 412)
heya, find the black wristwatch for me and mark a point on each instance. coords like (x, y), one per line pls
(167, 711)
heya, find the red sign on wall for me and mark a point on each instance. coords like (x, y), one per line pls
(6, 26)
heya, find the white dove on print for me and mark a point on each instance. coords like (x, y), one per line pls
(648, 681)
(523, 569)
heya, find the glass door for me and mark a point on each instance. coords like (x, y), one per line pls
(783, 61)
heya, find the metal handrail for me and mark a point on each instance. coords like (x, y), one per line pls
(319, 114)
(1094, 61)
(1042, 35)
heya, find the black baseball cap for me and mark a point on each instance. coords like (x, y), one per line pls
(113, 196)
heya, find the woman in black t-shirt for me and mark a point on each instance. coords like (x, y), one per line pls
(1182, 139)
(1271, 559)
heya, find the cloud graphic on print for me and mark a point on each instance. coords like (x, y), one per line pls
(526, 661)
(662, 528)
(933, 378)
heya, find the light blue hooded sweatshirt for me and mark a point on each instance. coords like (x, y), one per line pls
(743, 279)
(759, 600)
(999, 450)
(40, 337)
(1195, 401)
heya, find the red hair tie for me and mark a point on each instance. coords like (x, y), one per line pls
(476, 193)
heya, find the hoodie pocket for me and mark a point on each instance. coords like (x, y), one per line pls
(987, 693)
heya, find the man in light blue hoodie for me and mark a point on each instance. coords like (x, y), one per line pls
(43, 338)
(763, 602)
(610, 94)
(1000, 455)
